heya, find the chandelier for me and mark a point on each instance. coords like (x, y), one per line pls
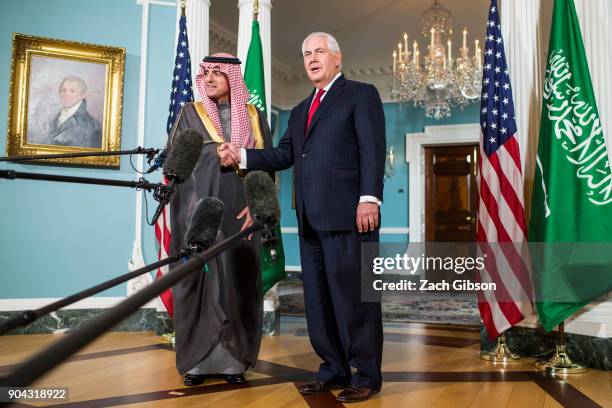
(441, 81)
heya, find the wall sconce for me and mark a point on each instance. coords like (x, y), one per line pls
(390, 162)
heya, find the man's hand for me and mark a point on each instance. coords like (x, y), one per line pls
(229, 155)
(367, 217)
(248, 221)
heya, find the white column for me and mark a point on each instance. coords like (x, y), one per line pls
(245, 22)
(522, 36)
(198, 30)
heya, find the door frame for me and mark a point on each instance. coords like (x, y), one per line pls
(415, 157)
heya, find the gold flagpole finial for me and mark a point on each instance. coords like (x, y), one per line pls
(183, 4)
(255, 10)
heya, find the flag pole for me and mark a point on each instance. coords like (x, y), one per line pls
(560, 362)
(170, 337)
(255, 10)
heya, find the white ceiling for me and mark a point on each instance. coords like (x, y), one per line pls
(367, 30)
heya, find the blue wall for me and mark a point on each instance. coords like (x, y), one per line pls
(59, 238)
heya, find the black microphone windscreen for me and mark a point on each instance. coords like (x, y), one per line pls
(204, 223)
(261, 197)
(183, 155)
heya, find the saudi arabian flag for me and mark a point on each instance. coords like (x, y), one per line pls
(272, 272)
(254, 70)
(571, 211)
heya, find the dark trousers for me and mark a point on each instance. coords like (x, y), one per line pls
(344, 331)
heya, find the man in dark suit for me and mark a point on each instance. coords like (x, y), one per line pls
(73, 125)
(336, 141)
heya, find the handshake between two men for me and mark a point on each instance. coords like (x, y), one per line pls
(229, 155)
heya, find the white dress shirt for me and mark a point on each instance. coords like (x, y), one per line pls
(68, 112)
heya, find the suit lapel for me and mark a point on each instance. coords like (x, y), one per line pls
(336, 89)
(67, 124)
(302, 117)
(304, 114)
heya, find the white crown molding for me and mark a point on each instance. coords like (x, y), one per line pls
(373, 70)
(291, 85)
(223, 39)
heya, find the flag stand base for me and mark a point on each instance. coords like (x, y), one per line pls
(501, 353)
(169, 338)
(560, 363)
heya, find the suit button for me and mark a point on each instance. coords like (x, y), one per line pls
(304, 155)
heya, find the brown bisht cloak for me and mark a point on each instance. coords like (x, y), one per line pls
(224, 305)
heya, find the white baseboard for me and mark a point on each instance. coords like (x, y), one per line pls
(594, 320)
(10, 305)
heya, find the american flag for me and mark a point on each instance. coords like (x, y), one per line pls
(501, 212)
(181, 94)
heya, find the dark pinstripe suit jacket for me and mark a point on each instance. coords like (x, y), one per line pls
(341, 158)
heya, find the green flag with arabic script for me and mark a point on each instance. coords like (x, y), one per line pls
(271, 271)
(572, 190)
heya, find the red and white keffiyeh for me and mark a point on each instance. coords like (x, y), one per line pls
(239, 95)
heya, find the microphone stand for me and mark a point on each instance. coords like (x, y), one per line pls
(140, 184)
(139, 150)
(163, 196)
(30, 316)
(42, 362)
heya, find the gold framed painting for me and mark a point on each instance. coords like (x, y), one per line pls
(65, 97)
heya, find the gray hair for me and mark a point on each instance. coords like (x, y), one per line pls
(331, 41)
(77, 80)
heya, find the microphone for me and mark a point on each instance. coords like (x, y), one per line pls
(182, 158)
(204, 223)
(263, 204)
(159, 161)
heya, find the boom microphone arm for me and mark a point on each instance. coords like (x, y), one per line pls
(139, 150)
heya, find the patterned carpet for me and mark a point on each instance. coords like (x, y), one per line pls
(454, 308)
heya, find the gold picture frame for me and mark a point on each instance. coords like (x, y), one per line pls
(65, 97)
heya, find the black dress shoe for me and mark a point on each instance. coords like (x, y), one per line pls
(235, 378)
(356, 394)
(318, 386)
(195, 379)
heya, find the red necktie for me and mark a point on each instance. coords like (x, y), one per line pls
(314, 106)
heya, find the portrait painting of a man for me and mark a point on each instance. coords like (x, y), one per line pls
(65, 102)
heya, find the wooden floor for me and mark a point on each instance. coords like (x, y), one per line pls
(423, 366)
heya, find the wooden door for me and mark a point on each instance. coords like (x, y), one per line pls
(451, 200)
(451, 193)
